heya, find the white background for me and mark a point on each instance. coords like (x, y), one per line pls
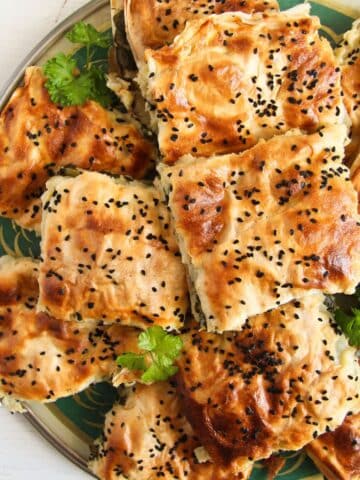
(23, 453)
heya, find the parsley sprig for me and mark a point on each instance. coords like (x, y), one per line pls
(70, 84)
(160, 348)
(350, 325)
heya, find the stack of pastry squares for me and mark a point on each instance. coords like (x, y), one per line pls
(251, 220)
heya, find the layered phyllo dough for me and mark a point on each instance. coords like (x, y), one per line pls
(337, 454)
(149, 438)
(153, 24)
(266, 226)
(109, 253)
(43, 358)
(287, 377)
(228, 80)
(38, 138)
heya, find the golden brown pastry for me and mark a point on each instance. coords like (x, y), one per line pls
(109, 253)
(337, 454)
(149, 438)
(286, 378)
(153, 23)
(37, 138)
(348, 55)
(231, 79)
(260, 228)
(42, 358)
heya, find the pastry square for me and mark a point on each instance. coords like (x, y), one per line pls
(42, 358)
(337, 454)
(109, 253)
(260, 228)
(286, 378)
(37, 138)
(228, 80)
(149, 438)
(348, 55)
(153, 24)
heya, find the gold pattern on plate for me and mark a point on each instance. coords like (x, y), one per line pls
(339, 6)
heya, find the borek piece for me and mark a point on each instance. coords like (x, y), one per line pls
(348, 55)
(109, 254)
(37, 138)
(337, 454)
(149, 438)
(42, 358)
(263, 227)
(286, 378)
(153, 24)
(231, 79)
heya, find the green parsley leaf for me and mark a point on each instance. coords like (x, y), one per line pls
(132, 361)
(100, 92)
(61, 69)
(87, 35)
(158, 373)
(65, 83)
(160, 351)
(350, 325)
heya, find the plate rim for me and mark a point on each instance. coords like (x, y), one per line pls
(45, 44)
(53, 440)
(12, 82)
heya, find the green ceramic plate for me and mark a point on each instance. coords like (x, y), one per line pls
(73, 423)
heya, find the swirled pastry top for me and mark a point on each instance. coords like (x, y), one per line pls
(153, 24)
(231, 79)
(287, 377)
(109, 253)
(38, 137)
(260, 228)
(348, 55)
(149, 438)
(42, 358)
(337, 454)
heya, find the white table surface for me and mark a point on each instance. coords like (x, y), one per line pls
(23, 453)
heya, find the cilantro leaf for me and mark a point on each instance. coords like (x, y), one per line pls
(87, 35)
(158, 373)
(61, 69)
(132, 361)
(161, 349)
(65, 84)
(100, 92)
(350, 325)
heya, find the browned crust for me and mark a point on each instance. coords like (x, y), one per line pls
(348, 55)
(37, 138)
(43, 358)
(150, 438)
(227, 81)
(337, 454)
(153, 24)
(257, 231)
(109, 254)
(275, 385)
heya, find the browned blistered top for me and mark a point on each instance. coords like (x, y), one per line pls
(109, 253)
(153, 24)
(337, 454)
(260, 228)
(42, 358)
(227, 81)
(37, 138)
(285, 378)
(149, 438)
